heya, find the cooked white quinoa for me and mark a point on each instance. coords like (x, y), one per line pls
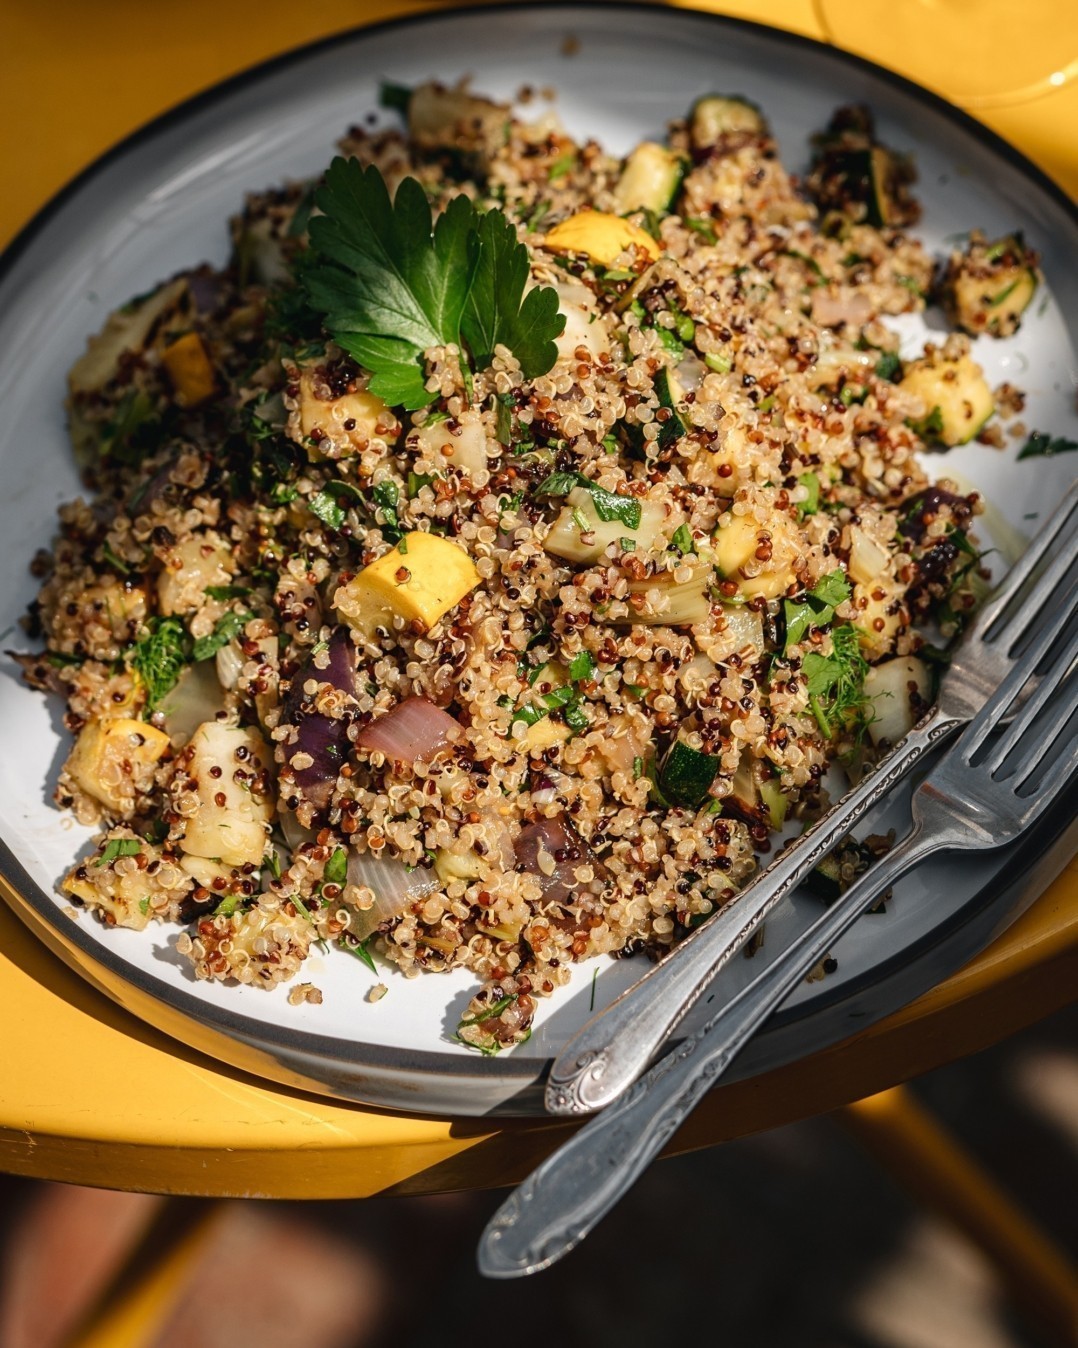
(727, 373)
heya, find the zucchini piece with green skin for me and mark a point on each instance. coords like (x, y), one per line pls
(988, 288)
(717, 115)
(650, 179)
(956, 396)
(835, 872)
(686, 774)
(853, 173)
(579, 521)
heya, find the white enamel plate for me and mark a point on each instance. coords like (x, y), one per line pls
(159, 203)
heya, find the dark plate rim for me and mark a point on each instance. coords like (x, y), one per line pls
(309, 1044)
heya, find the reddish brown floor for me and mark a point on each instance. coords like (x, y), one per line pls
(793, 1238)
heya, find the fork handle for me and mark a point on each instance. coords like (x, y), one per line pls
(611, 1051)
(558, 1204)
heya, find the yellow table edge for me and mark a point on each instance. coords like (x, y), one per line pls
(88, 1093)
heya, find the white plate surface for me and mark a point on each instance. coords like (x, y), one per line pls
(160, 202)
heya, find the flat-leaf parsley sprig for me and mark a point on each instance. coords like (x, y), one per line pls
(390, 283)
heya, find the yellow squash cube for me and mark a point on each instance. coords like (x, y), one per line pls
(601, 236)
(419, 580)
(112, 759)
(189, 369)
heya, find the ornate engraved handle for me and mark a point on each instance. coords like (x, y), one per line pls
(605, 1057)
(559, 1203)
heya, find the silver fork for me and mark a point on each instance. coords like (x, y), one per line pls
(609, 1053)
(994, 782)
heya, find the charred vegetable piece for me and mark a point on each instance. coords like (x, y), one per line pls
(957, 399)
(687, 773)
(854, 174)
(989, 286)
(650, 179)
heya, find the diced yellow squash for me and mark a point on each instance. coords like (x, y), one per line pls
(190, 370)
(336, 427)
(877, 626)
(456, 866)
(604, 238)
(419, 580)
(124, 899)
(956, 397)
(108, 752)
(735, 546)
(545, 734)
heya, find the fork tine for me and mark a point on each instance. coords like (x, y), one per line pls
(1046, 734)
(1015, 626)
(1005, 695)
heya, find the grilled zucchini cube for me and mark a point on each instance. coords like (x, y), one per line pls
(650, 179)
(418, 580)
(719, 115)
(579, 535)
(990, 286)
(957, 399)
(232, 823)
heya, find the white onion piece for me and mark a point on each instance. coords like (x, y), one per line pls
(899, 691)
(414, 731)
(197, 698)
(230, 661)
(393, 885)
(867, 557)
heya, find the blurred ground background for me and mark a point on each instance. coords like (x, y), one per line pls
(795, 1237)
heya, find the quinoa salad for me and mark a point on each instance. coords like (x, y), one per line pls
(512, 544)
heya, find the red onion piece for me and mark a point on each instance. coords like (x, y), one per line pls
(554, 839)
(324, 738)
(413, 732)
(394, 886)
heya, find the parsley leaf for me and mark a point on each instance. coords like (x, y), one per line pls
(582, 667)
(811, 505)
(889, 366)
(499, 313)
(336, 868)
(159, 658)
(816, 609)
(1041, 446)
(231, 625)
(118, 847)
(608, 504)
(388, 284)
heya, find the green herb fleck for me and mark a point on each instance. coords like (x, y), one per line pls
(118, 847)
(1041, 446)
(336, 868)
(159, 658)
(682, 539)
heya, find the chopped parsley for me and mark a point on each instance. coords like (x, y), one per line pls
(361, 952)
(582, 667)
(225, 630)
(608, 505)
(811, 505)
(889, 366)
(226, 591)
(816, 609)
(682, 539)
(336, 868)
(118, 847)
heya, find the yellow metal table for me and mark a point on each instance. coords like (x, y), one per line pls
(90, 1095)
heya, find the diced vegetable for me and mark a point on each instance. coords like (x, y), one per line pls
(900, 692)
(670, 392)
(227, 764)
(579, 535)
(736, 545)
(190, 568)
(419, 580)
(112, 755)
(190, 370)
(441, 118)
(958, 401)
(128, 329)
(650, 179)
(687, 773)
(720, 115)
(851, 172)
(868, 558)
(414, 731)
(332, 427)
(465, 446)
(602, 237)
(663, 601)
(988, 287)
